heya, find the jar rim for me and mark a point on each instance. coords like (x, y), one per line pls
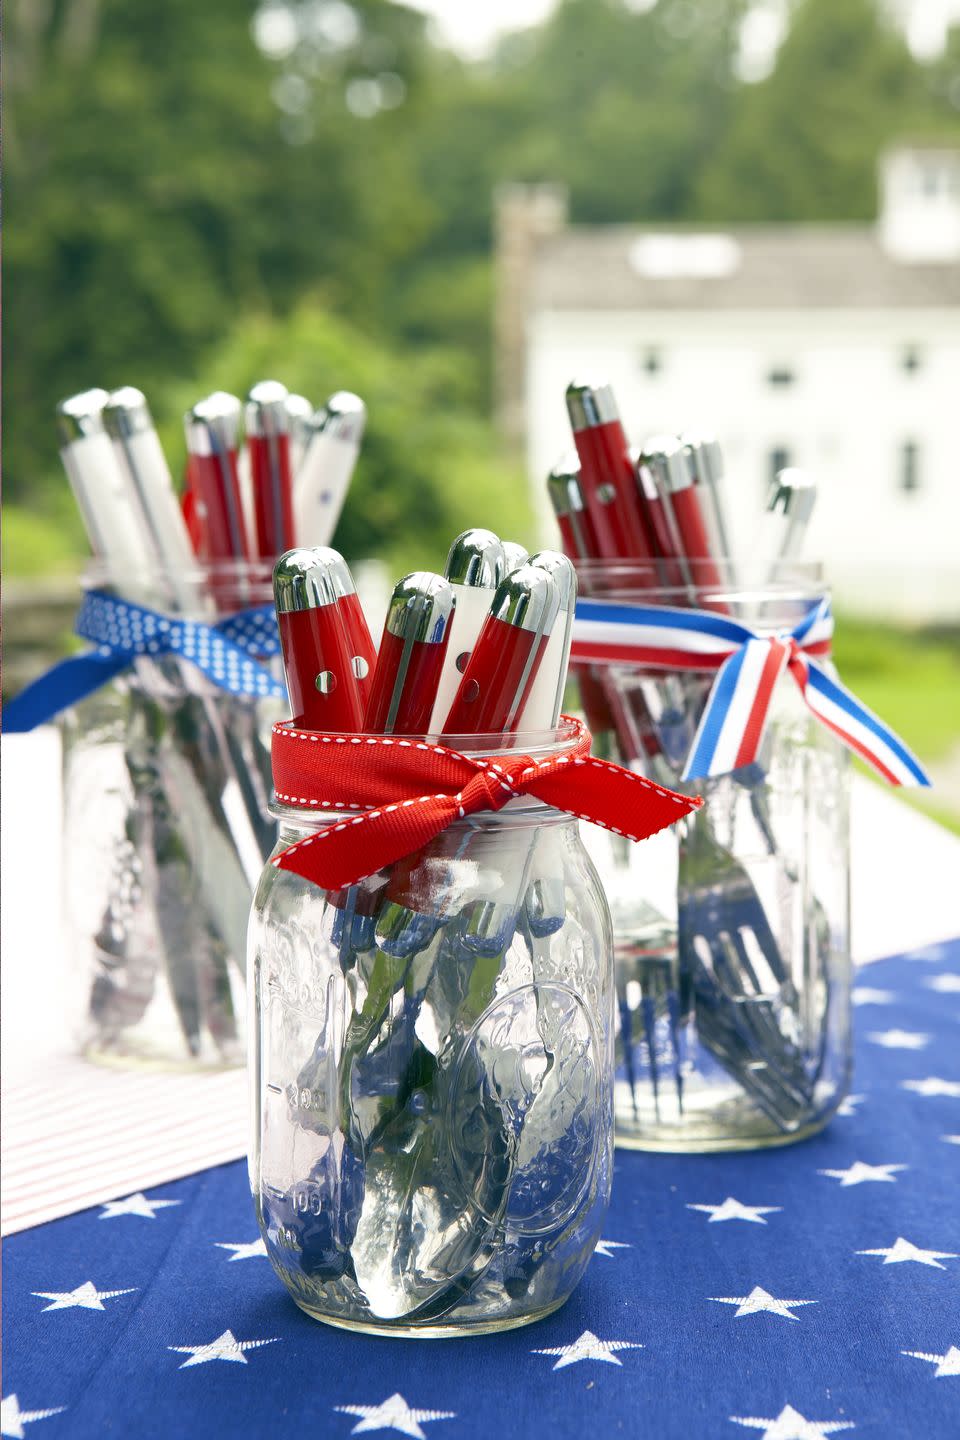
(522, 810)
(537, 743)
(198, 590)
(256, 574)
(713, 582)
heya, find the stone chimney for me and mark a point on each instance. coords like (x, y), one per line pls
(524, 216)
(920, 204)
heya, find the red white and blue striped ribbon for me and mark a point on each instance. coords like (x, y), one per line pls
(748, 666)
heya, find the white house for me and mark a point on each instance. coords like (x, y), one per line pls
(832, 347)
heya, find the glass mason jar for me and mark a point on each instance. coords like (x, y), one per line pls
(732, 938)
(166, 791)
(432, 1068)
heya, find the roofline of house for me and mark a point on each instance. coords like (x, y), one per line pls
(726, 227)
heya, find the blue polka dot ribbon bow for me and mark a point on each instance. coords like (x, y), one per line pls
(229, 653)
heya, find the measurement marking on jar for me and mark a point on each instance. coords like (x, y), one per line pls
(307, 1201)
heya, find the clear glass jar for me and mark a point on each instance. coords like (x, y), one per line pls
(166, 792)
(732, 935)
(432, 1068)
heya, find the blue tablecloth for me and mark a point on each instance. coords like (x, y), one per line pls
(791, 1293)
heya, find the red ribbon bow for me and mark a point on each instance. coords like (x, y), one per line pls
(402, 793)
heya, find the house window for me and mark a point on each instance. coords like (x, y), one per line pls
(779, 460)
(911, 359)
(909, 466)
(780, 376)
(651, 360)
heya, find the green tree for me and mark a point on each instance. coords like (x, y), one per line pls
(184, 174)
(429, 467)
(623, 107)
(803, 144)
(163, 172)
(619, 104)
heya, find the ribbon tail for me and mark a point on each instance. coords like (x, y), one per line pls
(346, 851)
(858, 728)
(735, 716)
(66, 684)
(615, 798)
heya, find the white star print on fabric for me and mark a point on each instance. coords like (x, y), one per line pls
(134, 1205)
(899, 1039)
(758, 1301)
(865, 995)
(902, 1250)
(933, 1086)
(225, 1347)
(945, 985)
(859, 1173)
(848, 1106)
(791, 1425)
(242, 1250)
(394, 1414)
(948, 1364)
(607, 1247)
(929, 952)
(589, 1347)
(13, 1419)
(732, 1210)
(951, 1139)
(85, 1297)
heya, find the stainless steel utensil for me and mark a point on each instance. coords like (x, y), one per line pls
(744, 998)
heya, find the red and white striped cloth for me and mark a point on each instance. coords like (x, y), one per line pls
(77, 1134)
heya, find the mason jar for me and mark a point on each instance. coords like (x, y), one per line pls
(166, 786)
(432, 1072)
(732, 936)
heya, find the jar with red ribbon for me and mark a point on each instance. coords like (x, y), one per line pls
(732, 935)
(433, 1043)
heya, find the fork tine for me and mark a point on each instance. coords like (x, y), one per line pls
(761, 1021)
(673, 1012)
(780, 1041)
(745, 1039)
(648, 1006)
(766, 940)
(626, 1038)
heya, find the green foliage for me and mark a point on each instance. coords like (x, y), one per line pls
(620, 105)
(46, 539)
(910, 677)
(803, 144)
(429, 467)
(163, 174)
(188, 208)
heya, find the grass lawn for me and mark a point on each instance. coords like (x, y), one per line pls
(912, 680)
(43, 541)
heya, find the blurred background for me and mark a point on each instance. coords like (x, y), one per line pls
(746, 215)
